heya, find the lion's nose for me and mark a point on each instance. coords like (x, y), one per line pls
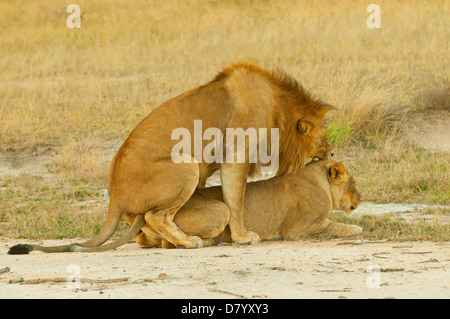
(358, 201)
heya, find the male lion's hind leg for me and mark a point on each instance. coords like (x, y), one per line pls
(162, 222)
(180, 181)
(205, 218)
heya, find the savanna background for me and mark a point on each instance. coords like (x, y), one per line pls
(69, 97)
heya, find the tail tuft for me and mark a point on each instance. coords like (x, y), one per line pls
(21, 249)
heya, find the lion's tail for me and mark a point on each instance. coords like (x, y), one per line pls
(138, 223)
(94, 244)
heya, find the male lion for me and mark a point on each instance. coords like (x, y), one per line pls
(144, 180)
(288, 207)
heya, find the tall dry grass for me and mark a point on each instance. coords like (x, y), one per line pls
(82, 161)
(129, 56)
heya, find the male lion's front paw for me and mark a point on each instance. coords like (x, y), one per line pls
(248, 238)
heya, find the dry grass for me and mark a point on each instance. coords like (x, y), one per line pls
(82, 89)
(392, 227)
(81, 160)
(405, 174)
(434, 98)
(129, 56)
(34, 207)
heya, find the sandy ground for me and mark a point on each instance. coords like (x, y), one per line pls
(305, 269)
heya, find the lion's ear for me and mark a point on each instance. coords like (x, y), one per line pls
(337, 171)
(304, 126)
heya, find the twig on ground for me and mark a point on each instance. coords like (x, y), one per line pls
(391, 269)
(3, 270)
(16, 280)
(377, 255)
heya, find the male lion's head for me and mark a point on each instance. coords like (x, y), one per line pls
(343, 188)
(307, 138)
(323, 148)
(297, 115)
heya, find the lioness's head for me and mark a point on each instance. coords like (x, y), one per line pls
(343, 188)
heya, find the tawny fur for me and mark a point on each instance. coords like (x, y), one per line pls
(144, 180)
(289, 207)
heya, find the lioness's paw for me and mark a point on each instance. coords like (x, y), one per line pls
(192, 242)
(248, 238)
(354, 230)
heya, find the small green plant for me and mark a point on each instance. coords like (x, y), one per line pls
(336, 133)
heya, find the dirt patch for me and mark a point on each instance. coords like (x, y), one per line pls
(430, 130)
(46, 160)
(30, 160)
(332, 269)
